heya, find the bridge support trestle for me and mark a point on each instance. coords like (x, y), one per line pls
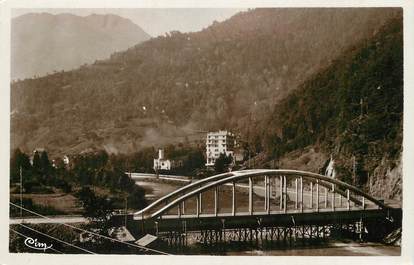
(259, 237)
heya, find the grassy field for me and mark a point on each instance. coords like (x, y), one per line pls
(61, 202)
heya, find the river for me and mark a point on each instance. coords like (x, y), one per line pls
(155, 190)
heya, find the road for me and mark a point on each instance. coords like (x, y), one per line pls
(142, 176)
(67, 219)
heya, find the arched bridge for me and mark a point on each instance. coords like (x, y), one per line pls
(262, 198)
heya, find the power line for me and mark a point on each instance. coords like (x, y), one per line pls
(20, 234)
(57, 239)
(92, 233)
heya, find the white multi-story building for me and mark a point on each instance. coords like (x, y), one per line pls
(221, 142)
(161, 163)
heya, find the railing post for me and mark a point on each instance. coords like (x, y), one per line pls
(281, 192)
(340, 201)
(216, 201)
(317, 195)
(233, 204)
(363, 202)
(285, 194)
(268, 194)
(198, 206)
(183, 210)
(179, 210)
(265, 191)
(333, 197)
(311, 195)
(296, 193)
(347, 197)
(250, 196)
(326, 197)
(143, 223)
(301, 194)
(275, 180)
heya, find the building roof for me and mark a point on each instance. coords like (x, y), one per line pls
(122, 234)
(146, 240)
(225, 132)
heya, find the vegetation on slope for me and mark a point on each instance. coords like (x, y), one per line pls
(353, 109)
(228, 75)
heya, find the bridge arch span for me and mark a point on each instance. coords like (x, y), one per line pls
(185, 189)
(240, 175)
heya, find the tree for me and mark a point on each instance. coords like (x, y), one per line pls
(124, 181)
(273, 145)
(19, 160)
(45, 163)
(37, 164)
(222, 163)
(194, 161)
(136, 199)
(28, 186)
(96, 208)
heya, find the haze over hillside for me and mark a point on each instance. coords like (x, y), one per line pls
(229, 75)
(43, 43)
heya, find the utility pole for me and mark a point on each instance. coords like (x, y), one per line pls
(126, 198)
(353, 170)
(21, 192)
(126, 210)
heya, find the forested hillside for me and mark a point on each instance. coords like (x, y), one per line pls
(352, 110)
(230, 75)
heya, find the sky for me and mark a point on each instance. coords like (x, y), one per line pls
(154, 21)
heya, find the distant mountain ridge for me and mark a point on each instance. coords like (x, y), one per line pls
(42, 43)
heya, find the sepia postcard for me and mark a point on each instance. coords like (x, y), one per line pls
(214, 133)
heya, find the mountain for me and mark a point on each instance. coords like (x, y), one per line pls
(351, 111)
(42, 43)
(230, 75)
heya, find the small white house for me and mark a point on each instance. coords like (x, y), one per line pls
(66, 160)
(161, 163)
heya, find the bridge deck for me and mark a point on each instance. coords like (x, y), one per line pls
(259, 213)
(190, 222)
